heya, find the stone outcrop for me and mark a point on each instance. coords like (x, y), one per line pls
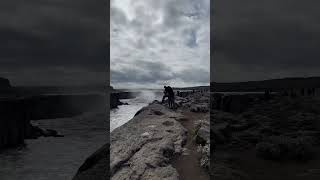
(116, 96)
(96, 167)
(114, 101)
(34, 132)
(5, 88)
(144, 147)
(4, 83)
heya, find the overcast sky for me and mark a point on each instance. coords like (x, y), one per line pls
(262, 39)
(154, 43)
(63, 42)
(53, 42)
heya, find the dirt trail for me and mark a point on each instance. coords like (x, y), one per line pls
(188, 165)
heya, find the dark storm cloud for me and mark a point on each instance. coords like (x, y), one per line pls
(40, 36)
(265, 39)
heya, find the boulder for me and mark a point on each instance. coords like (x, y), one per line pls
(4, 83)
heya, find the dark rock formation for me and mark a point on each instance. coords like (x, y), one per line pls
(58, 106)
(114, 101)
(261, 86)
(14, 122)
(96, 167)
(5, 88)
(140, 149)
(116, 96)
(34, 132)
(4, 83)
(16, 113)
(144, 147)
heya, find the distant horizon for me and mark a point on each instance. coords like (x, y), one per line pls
(292, 77)
(160, 87)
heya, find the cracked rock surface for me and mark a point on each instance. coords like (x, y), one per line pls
(144, 147)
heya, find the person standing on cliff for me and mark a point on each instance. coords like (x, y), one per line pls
(165, 93)
(170, 97)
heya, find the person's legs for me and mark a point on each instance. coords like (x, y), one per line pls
(172, 101)
(163, 98)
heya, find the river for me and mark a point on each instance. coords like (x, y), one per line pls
(55, 158)
(124, 113)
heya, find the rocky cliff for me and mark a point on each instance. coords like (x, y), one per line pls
(143, 148)
(14, 122)
(4, 83)
(57, 106)
(96, 167)
(148, 146)
(16, 113)
(116, 96)
(5, 88)
(274, 84)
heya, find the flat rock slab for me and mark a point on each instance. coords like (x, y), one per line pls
(144, 147)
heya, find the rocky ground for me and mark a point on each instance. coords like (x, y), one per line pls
(158, 143)
(271, 138)
(195, 163)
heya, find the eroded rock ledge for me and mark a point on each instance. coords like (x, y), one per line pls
(144, 147)
(141, 149)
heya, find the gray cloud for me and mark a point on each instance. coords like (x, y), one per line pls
(157, 42)
(256, 40)
(46, 36)
(143, 72)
